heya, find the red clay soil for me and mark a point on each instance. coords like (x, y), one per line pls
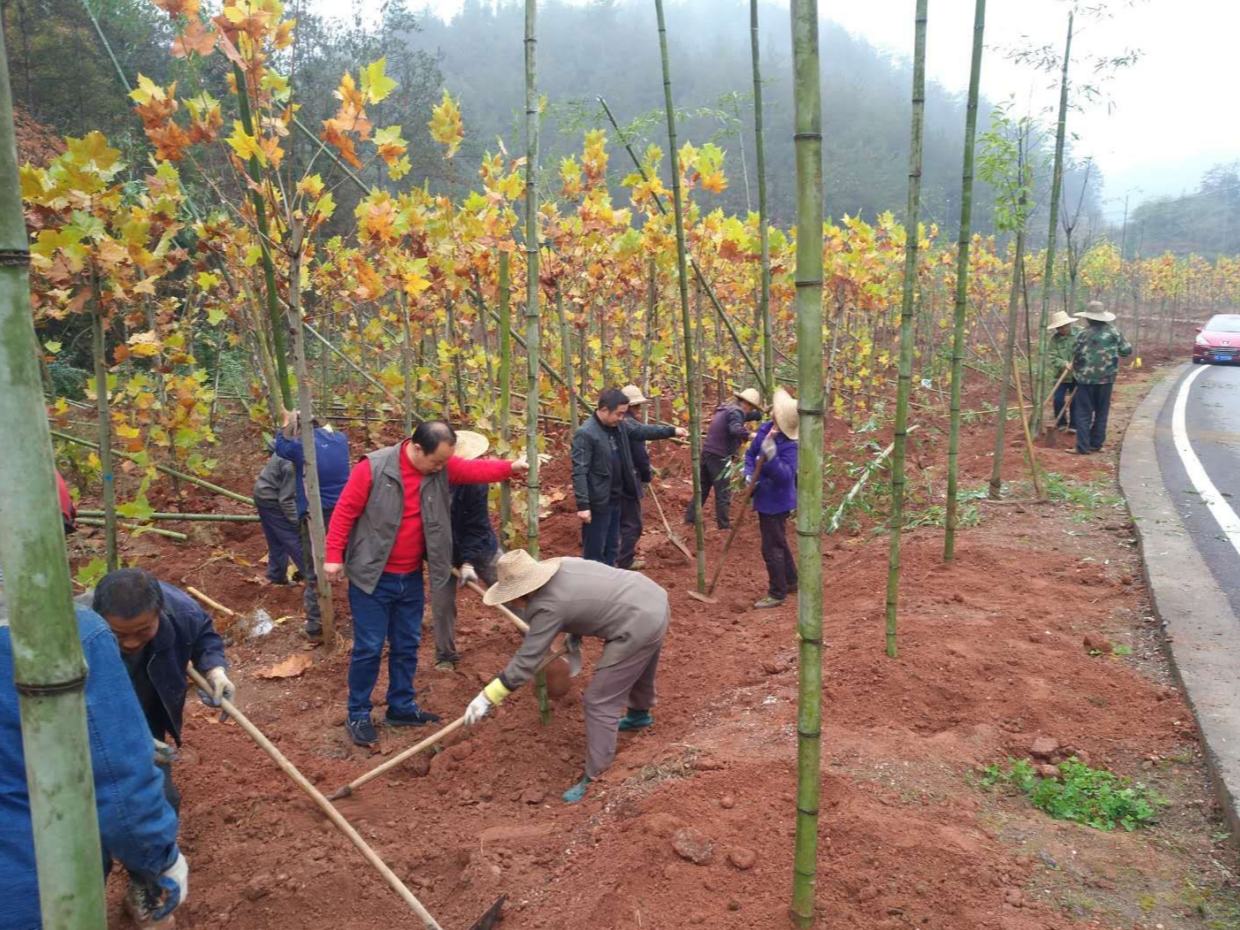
(991, 657)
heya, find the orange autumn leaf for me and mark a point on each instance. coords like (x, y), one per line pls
(334, 134)
(175, 8)
(196, 38)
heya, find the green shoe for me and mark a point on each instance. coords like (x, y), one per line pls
(768, 602)
(635, 721)
(576, 792)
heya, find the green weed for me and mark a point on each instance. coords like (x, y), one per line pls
(1088, 497)
(1094, 797)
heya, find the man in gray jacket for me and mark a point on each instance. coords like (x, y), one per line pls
(626, 610)
(275, 497)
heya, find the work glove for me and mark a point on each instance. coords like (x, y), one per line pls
(572, 643)
(768, 447)
(520, 465)
(164, 754)
(221, 688)
(478, 708)
(467, 575)
(174, 886)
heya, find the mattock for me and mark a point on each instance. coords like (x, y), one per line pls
(485, 922)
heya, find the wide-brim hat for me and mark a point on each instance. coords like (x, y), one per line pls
(1095, 311)
(784, 412)
(1060, 318)
(517, 574)
(470, 445)
(634, 394)
(749, 396)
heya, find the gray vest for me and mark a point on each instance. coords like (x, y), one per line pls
(374, 533)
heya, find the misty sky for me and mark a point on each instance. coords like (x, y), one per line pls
(1164, 121)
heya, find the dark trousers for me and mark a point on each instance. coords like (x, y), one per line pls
(600, 538)
(781, 563)
(443, 607)
(713, 467)
(283, 543)
(630, 530)
(1063, 418)
(310, 598)
(1091, 406)
(392, 614)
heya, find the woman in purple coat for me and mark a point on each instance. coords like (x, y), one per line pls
(775, 495)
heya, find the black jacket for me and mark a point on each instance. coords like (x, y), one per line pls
(641, 459)
(473, 537)
(592, 458)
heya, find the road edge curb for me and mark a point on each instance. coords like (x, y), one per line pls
(1199, 634)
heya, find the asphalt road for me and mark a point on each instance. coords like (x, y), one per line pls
(1197, 440)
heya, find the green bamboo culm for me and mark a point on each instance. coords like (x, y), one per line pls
(505, 385)
(807, 90)
(104, 415)
(911, 238)
(695, 414)
(1048, 276)
(962, 280)
(566, 347)
(531, 305)
(764, 238)
(264, 244)
(48, 666)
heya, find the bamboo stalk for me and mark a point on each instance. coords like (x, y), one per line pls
(807, 90)
(962, 280)
(566, 343)
(188, 517)
(764, 240)
(1024, 422)
(170, 534)
(912, 236)
(104, 448)
(834, 524)
(505, 385)
(49, 670)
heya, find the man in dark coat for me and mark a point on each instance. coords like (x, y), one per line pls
(275, 498)
(631, 503)
(723, 438)
(603, 469)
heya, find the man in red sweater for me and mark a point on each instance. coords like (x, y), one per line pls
(393, 514)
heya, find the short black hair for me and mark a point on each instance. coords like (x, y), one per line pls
(430, 434)
(612, 398)
(127, 593)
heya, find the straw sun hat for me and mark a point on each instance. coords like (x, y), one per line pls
(750, 396)
(1095, 311)
(518, 574)
(470, 445)
(784, 411)
(1059, 319)
(634, 394)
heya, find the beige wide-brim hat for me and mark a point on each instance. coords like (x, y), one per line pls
(634, 394)
(1095, 312)
(1060, 318)
(517, 574)
(470, 445)
(784, 411)
(750, 396)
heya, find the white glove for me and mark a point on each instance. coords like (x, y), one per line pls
(174, 883)
(222, 689)
(520, 465)
(768, 447)
(467, 575)
(572, 643)
(164, 754)
(478, 708)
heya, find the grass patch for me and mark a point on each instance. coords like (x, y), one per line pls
(1093, 797)
(1090, 498)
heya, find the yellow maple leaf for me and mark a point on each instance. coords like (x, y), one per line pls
(245, 145)
(446, 126)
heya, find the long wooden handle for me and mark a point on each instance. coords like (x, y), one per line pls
(736, 525)
(322, 803)
(1062, 375)
(213, 604)
(480, 590)
(667, 526)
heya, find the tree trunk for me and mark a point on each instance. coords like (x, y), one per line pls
(505, 388)
(962, 281)
(1009, 362)
(896, 525)
(103, 406)
(48, 666)
(406, 362)
(764, 294)
(694, 399)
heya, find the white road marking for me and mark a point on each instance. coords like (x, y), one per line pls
(1226, 518)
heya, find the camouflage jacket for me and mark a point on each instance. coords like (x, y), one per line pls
(1061, 353)
(1095, 357)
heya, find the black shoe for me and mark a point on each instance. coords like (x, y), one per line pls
(724, 527)
(362, 732)
(313, 633)
(417, 718)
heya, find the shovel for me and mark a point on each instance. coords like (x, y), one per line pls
(736, 525)
(254, 624)
(667, 527)
(1050, 430)
(485, 922)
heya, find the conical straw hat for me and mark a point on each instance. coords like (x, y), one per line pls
(470, 445)
(518, 573)
(1059, 319)
(784, 411)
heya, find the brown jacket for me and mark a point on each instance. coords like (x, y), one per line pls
(624, 609)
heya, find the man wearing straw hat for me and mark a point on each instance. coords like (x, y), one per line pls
(1062, 344)
(1095, 362)
(580, 598)
(724, 436)
(475, 549)
(775, 495)
(631, 501)
(394, 514)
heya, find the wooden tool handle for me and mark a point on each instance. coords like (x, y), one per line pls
(480, 591)
(736, 524)
(213, 604)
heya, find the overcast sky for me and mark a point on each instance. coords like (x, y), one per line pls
(1167, 119)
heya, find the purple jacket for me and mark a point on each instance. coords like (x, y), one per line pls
(777, 485)
(727, 430)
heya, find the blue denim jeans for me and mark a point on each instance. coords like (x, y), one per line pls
(600, 538)
(392, 613)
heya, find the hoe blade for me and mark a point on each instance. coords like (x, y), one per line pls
(487, 920)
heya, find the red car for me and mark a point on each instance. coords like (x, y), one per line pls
(1218, 340)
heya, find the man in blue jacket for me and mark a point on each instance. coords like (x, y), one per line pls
(160, 629)
(775, 495)
(332, 458)
(137, 825)
(475, 549)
